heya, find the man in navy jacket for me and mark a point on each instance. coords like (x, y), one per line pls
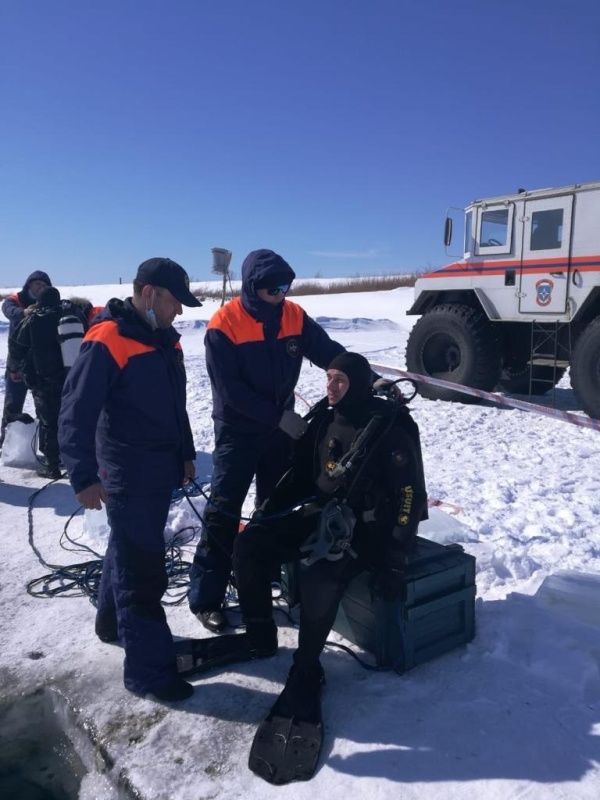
(126, 441)
(254, 350)
(15, 308)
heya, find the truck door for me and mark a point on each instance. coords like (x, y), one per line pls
(545, 259)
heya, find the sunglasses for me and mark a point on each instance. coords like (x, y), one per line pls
(285, 287)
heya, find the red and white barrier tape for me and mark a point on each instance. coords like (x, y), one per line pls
(304, 400)
(450, 508)
(565, 416)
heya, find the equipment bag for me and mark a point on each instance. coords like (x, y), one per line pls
(18, 449)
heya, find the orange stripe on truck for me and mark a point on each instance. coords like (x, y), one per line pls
(529, 266)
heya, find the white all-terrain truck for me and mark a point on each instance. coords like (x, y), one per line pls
(521, 305)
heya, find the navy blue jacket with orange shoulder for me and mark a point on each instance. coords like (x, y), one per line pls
(254, 359)
(123, 413)
(14, 305)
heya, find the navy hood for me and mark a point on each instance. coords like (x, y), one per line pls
(262, 267)
(38, 275)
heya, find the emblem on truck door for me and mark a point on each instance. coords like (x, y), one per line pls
(543, 292)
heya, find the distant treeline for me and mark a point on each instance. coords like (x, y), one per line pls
(361, 283)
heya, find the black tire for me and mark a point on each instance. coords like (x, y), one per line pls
(454, 343)
(585, 369)
(515, 379)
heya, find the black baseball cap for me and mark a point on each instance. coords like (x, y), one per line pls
(168, 275)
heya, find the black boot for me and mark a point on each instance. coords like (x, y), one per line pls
(262, 636)
(214, 620)
(106, 628)
(51, 471)
(173, 692)
(301, 695)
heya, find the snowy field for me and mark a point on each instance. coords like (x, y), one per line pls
(515, 714)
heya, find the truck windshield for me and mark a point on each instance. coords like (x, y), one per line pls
(494, 228)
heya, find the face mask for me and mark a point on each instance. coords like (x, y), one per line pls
(150, 315)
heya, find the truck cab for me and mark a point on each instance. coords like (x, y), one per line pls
(530, 268)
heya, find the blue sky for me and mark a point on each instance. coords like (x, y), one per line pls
(336, 132)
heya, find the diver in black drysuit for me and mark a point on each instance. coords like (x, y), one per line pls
(361, 517)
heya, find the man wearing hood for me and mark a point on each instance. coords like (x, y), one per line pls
(126, 441)
(15, 308)
(254, 350)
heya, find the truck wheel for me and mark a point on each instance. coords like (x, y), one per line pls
(454, 343)
(515, 379)
(585, 369)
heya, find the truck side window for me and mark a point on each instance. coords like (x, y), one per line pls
(494, 228)
(546, 229)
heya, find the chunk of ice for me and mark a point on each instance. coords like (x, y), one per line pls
(576, 593)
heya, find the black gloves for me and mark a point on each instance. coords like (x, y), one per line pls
(389, 584)
(293, 424)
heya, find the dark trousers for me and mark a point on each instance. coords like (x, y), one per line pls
(14, 400)
(238, 457)
(46, 398)
(261, 546)
(134, 579)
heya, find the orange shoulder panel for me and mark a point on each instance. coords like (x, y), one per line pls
(120, 347)
(236, 323)
(292, 320)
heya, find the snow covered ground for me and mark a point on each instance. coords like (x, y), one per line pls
(515, 714)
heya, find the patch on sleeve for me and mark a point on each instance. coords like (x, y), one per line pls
(406, 501)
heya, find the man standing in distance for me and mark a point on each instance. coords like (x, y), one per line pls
(126, 441)
(15, 308)
(254, 350)
(34, 349)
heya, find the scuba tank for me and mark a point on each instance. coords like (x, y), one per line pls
(70, 335)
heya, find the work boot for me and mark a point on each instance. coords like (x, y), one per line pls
(44, 461)
(214, 620)
(173, 692)
(106, 628)
(301, 695)
(51, 471)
